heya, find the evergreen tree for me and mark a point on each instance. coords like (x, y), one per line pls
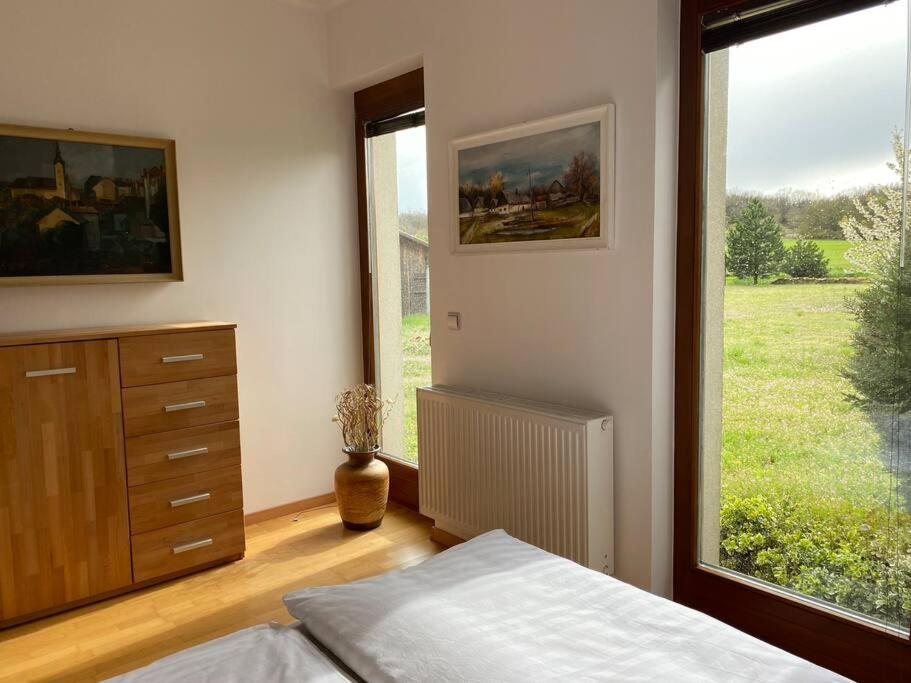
(880, 368)
(754, 246)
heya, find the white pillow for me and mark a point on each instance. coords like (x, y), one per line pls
(498, 609)
(268, 652)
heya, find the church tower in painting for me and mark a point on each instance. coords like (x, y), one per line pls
(60, 175)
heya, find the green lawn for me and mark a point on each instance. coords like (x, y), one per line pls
(784, 408)
(416, 366)
(788, 429)
(805, 497)
(834, 250)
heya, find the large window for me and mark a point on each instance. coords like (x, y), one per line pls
(400, 273)
(395, 262)
(794, 446)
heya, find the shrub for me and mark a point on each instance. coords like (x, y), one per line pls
(856, 559)
(805, 259)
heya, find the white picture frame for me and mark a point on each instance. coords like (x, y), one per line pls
(527, 231)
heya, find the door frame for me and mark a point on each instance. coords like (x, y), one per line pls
(384, 100)
(848, 645)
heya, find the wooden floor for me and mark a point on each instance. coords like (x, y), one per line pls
(120, 634)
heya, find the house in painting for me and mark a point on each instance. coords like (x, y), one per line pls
(83, 218)
(54, 218)
(557, 195)
(112, 189)
(480, 206)
(555, 191)
(512, 202)
(465, 208)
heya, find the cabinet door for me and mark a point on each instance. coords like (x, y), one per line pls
(64, 525)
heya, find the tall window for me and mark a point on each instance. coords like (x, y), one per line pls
(397, 251)
(800, 372)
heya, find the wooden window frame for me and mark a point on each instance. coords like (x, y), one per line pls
(850, 646)
(385, 100)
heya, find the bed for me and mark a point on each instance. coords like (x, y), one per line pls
(268, 652)
(498, 609)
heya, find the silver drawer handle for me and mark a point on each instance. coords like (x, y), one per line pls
(182, 359)
(174, 407)
(192, 545)
(177, 455)
(48, 373)
(198, 498)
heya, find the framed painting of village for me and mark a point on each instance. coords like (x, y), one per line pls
(546, 184)
(87, 208)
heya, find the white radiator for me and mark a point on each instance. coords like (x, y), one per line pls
(542, 472)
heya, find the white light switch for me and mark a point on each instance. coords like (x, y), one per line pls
(454, 321)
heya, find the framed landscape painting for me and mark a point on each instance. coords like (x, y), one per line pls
(547, 184)
(81, 208)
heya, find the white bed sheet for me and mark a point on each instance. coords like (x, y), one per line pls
(268, 652)
(498, 609)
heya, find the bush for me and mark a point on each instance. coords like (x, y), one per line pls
(855, 559)
(805, 259)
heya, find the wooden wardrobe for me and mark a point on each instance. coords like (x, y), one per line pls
(119, 461)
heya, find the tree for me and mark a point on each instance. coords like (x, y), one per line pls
(821, 218)
(754, 246)
(880, 368)
(469, 189)
(875, 232)
(495, 183)
(582, 175)
(805, 259)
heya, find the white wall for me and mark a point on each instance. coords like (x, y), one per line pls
(594, 328)
(265, 165)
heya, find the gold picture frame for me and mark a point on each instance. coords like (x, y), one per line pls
(95, 209)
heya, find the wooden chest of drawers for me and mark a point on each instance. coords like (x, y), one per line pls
(150, 415)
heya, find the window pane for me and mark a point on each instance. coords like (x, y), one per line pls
(397, 192)
(806, 348)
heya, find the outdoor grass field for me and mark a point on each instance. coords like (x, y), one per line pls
(788, 428)
(416, 370)
(785, 413)
(807, 498)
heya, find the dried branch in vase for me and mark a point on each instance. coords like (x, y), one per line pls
(360, 414)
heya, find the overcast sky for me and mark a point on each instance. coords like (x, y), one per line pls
(411, 167)
(814, 108)
(810, 109)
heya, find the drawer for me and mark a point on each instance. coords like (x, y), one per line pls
(162, 358)
(155, 457)
(163, 407)
(181, 547)
(174, 501)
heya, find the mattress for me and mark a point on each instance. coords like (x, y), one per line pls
(268, 652)
(498, 609)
